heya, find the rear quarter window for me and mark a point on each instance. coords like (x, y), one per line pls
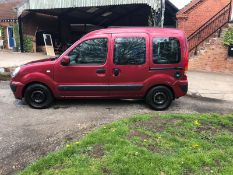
(166, 50)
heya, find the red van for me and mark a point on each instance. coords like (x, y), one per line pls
(113, 63)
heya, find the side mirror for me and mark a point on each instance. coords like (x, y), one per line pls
(65, 61)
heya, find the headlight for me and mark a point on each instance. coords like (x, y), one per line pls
(16, 71)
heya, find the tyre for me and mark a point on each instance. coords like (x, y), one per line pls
(38, 96)
(159, 98)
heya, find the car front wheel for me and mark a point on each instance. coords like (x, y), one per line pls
(159, 98)
(38, 96)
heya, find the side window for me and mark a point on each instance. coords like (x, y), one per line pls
(130, 51)
(93, 51)
(166, 50)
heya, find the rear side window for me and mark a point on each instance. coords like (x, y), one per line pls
(166, 50)
(130, 51)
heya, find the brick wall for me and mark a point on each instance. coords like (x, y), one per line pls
(33, 22)
(212, 57)
(198, 12)
(5, 37)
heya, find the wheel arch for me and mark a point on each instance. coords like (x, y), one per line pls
(36, 82)
(164, 85)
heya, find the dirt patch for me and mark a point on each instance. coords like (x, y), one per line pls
(187, 172)
(96, 152)
(153, 148)
(10, 69)
(207, 128)
(230, 129)
(212, 129)
(105, 170)
(156, 124)
(6, 76)
(143, 137)
(135, 133)
(58, 167)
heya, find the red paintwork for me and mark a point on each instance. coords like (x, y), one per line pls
(86, 75)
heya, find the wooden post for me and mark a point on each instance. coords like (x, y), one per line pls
(219, 32)
(20, 33)
(195, 52)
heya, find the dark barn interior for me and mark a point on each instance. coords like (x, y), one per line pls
(67, 25)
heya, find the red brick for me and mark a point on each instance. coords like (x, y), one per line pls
(197, 13)
(213, 60)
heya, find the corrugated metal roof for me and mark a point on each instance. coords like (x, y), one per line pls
(53, 4)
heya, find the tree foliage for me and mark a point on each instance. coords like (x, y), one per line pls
(27, 43)
(16, 35)
(228, 37)
(2, 31)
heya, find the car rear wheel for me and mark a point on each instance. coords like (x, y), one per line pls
(159, 98)
(38, 96)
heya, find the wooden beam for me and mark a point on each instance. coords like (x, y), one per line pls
(126, 14)
(20, 23)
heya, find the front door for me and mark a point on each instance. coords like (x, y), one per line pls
(10, 36)
(88, 73)
(129, 65)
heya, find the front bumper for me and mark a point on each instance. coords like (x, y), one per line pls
(13, 87)
(17, 89)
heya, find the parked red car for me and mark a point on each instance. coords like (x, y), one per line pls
(113, 63)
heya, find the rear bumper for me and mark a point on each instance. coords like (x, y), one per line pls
(184, 88)
(180, 88)
(17, 89)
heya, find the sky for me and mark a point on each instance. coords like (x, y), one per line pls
(180, 3)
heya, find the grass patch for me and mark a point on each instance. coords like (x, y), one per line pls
(5, 76)
(148, 144)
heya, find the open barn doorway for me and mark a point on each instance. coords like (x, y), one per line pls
(67, 25)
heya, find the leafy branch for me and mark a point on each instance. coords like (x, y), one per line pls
(228, 37)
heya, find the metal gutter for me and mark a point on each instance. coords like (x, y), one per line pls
(56, 4)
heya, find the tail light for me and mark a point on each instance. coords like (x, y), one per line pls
(186, 61)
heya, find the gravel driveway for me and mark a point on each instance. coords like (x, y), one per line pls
(27, 134)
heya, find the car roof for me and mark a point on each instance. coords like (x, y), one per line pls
(149, 30)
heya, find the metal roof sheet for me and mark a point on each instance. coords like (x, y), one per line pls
(53, 4)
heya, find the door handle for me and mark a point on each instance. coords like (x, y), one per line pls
(116, 72)
(101, 71)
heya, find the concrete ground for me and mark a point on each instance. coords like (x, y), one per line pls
(211, 85)
(27, 134)
(14, 59)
